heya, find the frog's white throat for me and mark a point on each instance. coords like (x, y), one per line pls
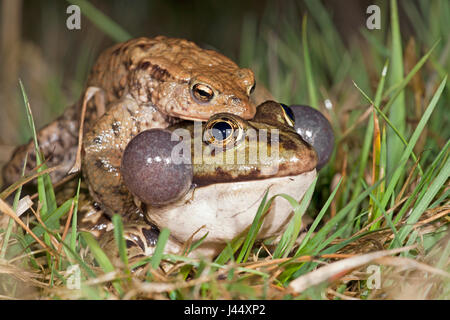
(225, 210)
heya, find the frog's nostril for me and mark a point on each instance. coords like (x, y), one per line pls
(130, 244)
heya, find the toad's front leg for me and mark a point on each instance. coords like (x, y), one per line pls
(103, 146)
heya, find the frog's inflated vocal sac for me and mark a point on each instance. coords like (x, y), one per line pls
(225, 195)
(164, 79)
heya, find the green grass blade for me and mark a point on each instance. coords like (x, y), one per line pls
(293, 229)
(337, 234)
(120, 240)
(380, 169)
(49, 221)
(319, 217)
(367, 144)
(398, 115)
(425, 179)
(295, 269)
(412, 142)
(386, 216)
(101, 258)
(313, 102)
(74, 232)
(229, 250)
(321, 235)
(399, 87)
(418, 210)
(196, 243)
(254, 228)
(40, 179)
(160, 245)
(380, 88)
(11, 220)
(391, 125)
(45, 187)
(30, 122)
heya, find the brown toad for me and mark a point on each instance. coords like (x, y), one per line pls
(165, 79)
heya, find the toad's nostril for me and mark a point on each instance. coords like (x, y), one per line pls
(235, 100)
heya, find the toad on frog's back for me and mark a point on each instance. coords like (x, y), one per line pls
(166, 79)
(177, 76)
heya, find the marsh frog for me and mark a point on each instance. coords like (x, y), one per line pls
(224, 196)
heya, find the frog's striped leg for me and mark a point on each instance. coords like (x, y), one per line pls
(140, 237)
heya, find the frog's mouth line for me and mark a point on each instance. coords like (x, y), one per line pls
(256, 174)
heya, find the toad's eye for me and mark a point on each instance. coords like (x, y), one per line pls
(288, 114)
(202, 93)
(223, 131)
(252, 88)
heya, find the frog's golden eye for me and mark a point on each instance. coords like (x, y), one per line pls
(223, 132)
(202, 92)
(288, 114)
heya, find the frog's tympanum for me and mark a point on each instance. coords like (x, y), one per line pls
(315, 129)
(140, 84)
(233, 163)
